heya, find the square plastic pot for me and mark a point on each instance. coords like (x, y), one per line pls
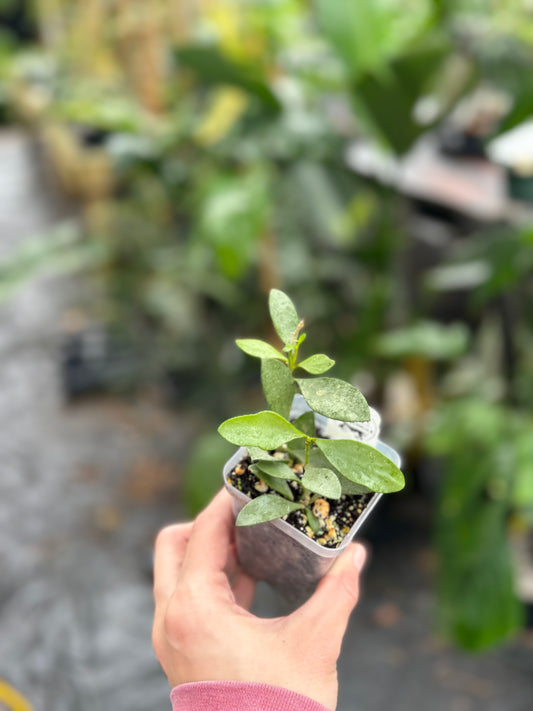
(278, 553)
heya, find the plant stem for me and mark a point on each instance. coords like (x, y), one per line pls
(308, 445)
(291, 360)
(292, 355)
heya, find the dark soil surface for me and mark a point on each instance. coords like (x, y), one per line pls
(335, 517)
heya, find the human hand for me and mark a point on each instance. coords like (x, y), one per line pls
(203, 631)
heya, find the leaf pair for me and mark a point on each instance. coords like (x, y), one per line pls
(356, 461)
(329, 397)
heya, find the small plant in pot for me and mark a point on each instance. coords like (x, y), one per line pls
(309, 469)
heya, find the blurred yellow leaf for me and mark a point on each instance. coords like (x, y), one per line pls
(227, 106)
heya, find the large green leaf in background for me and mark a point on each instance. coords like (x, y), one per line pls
(388, 96)
(476, 587)
(429, 339)
(202, 477)
(392, 54)
(233, 213)
(478, 606)
(214, 68)
(368, 33)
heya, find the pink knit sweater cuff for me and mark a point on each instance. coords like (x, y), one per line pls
(239, 696)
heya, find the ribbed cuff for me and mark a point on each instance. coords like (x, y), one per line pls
(239, 696)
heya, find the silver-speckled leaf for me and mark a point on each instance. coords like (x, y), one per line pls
(259, 349)
(306, 423)
(283, 314)
(266, 430)
(279, 485)
(322, 481)
(317, 364)
(259, 454)
(276, 468)
(334, 398)
(265, 508)
(278, 386)
(363, 464)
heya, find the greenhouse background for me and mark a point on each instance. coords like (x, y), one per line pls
(163, 165)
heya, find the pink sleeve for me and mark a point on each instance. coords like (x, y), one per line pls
(239, 696)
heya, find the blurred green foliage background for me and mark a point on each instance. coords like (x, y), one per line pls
(204, 144)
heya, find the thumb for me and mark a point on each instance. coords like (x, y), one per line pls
(337, 593)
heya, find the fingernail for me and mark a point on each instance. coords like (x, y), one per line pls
(359, 558)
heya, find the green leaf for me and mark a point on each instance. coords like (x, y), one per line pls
(232, 212)
(296, 449)
(319, 461)
(425, 338)
(283, 315)
(259, 454)
(266, 430)
(401, 86)
(351, 488)
(202, 478)
(478, 603)
(362, 464)
(265, 508)
(322, 481)
(313, 522)
(215, 68)
(276, 468)
(334, 398)
(317, 364)
(367, 34)
(278, 386)
(523, 478)
(306, 423)
(279, 485)
(259, 349)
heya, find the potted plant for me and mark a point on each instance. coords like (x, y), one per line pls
(309, 470)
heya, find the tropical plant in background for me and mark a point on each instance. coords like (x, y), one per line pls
(236, 187)
(482, 430)
(488, 454)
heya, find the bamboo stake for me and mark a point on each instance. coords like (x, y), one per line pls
(141, 47)
(51, 21)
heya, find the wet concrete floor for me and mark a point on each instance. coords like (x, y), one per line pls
(85, 487)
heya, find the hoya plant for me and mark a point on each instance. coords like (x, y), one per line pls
(325, 468)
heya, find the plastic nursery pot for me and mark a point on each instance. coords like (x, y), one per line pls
(278, 553)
